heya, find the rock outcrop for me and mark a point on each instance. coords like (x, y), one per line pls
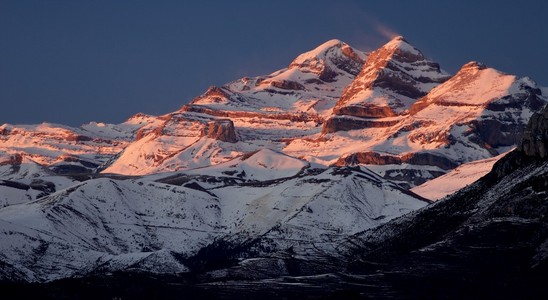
(213, 94)
(419, 159)
(535, 137)
(345, 123)
(222, 130)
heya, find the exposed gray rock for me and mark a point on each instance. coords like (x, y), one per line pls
(535, 137)
(420, 158)
(342, 123)
(294, 117)
(287, 85)
(365, 111)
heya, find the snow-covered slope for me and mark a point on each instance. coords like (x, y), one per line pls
(27, 189)
(456, 179)
(261, 165)
(17, 166)
(494, 106)
(104, 225)
(23, 180)
(181, 143)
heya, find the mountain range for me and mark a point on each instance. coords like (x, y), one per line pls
(323, 173)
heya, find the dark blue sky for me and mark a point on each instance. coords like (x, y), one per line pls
(76, 61)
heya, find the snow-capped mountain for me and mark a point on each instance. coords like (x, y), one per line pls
(393, 110)
(477, 114)
(291, 163)
(483, 111)
(456, 179)
(23, 180)
(393, 78)
(247, 115)
(310, 85)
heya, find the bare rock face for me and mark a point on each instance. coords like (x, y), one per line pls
(222, 130)
(413, 175)
(365, 111)
(535, 137)
(420, 159)
(286, 85)
(13, 160)
(343, 123)
(502, 127)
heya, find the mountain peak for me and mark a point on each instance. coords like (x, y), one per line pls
(474, 65)
(399, 45)
(319, 52)
(392, 79)
(329, 44)
(329, 50)
(397, 41)
(331, 55)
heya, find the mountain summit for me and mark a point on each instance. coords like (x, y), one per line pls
(329, 57)
(311, 84)
(393, 78)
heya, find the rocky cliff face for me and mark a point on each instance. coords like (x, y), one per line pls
(535, 137)
(346, 123)
(222, 130)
